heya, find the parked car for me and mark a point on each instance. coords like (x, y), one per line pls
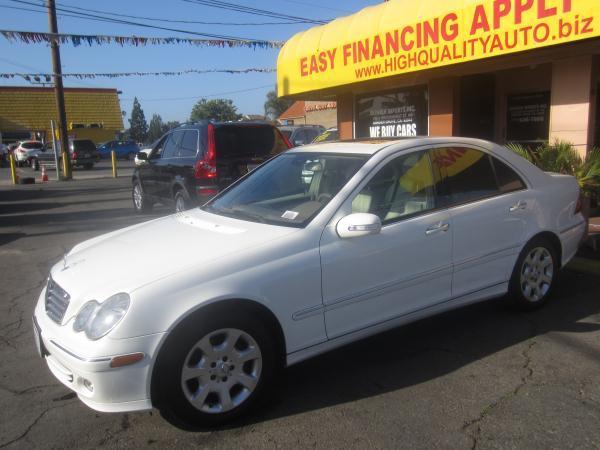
(82, 152)
(301, 134)
(123, 149)
(145, 150)
(192, 163)
(3, 154)
(271, 271)
(26, 152)
(330, 134)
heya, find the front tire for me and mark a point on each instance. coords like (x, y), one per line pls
(213, 370)
(533, 276)
(140, 203)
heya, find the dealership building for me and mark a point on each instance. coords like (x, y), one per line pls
(26, 113)
(504, 70)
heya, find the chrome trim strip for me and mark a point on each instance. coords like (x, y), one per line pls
(392, 285)
(393, 322)
(308, 312)
(386, 288)
(371, 293)
(80, 358)
(566, 230)
(476, 260)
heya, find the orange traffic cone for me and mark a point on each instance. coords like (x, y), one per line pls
(44, 174)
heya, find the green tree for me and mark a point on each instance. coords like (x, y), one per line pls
(138, 128)
(170, 125)
(155, 128)
(219, 109)
(275, 106)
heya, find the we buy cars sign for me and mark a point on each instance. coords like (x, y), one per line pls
(398, 37)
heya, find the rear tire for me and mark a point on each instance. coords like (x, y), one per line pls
(212, 370)
(181, 201)
(140, 203)
(533, 276)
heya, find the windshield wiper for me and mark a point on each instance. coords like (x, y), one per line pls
(235, 213)
(248, 215)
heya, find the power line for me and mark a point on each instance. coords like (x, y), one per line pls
(176, 20)
(314, 5)
(201, 96)
(139, 24)
(19, 8)
(254, 11)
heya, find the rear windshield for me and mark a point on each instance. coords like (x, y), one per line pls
(32, 145)
(83, 145)
(248, 141)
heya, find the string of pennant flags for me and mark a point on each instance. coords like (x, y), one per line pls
(35, 37)
(47, 76)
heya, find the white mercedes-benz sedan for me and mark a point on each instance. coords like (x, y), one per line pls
(320, 246)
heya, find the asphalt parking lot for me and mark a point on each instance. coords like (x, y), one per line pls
(484, 376)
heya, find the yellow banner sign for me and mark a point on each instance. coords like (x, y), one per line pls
(402, 36)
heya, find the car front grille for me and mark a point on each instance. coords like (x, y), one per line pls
(57, 301)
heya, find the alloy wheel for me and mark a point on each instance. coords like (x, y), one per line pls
(221, 370)
(537, 273)
(137, 196)
(180, 204)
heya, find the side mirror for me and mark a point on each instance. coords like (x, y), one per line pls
(358, 224)
(142, 156)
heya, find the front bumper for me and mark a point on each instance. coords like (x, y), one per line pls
(91, 377)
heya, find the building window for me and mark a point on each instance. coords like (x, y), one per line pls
(399, 113)
(528, 117)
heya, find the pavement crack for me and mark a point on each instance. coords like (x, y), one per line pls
(468, 426)
(33, 424)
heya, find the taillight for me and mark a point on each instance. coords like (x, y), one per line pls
(206, 168)
(74, 155)
(578, 205)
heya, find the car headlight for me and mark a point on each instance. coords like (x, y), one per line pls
(97, 319)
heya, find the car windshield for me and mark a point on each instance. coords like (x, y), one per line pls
(32, 145)
(288, 190)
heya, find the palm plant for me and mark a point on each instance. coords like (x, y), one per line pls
(562, 157)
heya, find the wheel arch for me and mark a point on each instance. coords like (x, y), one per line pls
(242, 307)
(554, 240)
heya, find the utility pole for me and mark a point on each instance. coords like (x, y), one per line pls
(59, 91)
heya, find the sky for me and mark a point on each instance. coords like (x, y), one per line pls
(171, 97)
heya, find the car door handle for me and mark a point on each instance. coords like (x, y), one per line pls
(519, 205)
(441, 226)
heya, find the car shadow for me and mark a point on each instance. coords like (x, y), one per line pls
(430, 348)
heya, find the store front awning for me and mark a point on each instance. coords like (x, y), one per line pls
(402, 36)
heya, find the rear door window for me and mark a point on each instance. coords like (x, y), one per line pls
(254, 141)
(189, 144)
(463, 175)
(508, 179)
(169, 148)
(84, 146)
